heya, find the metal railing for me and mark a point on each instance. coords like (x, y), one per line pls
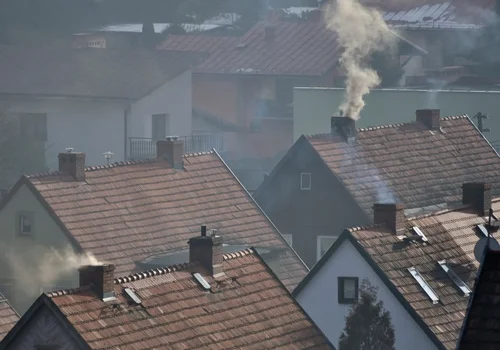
(143, 148)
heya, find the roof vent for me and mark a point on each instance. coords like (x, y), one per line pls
(202, 281)
(458, 282)
(425, 286)
(419, 233)
(132, 296)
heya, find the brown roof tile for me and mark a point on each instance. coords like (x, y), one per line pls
(451, 236)
(250, 309)
(8, 317)
(125, 213)
(413, 164)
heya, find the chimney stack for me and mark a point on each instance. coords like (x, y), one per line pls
(344, 127)
(207, 250)
(100, 278)
(477, 194)
(429, 117)
(392, 214)
(171, 149)
(270, 31)
(72, 163)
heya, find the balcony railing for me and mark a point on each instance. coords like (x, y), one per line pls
(143, 148)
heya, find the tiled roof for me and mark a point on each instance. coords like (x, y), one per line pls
(8, 317)
(248, 308)
(482, 328)
(100, 73)
(300, 47)
(451, 236)
(410, 163)
(126, 213)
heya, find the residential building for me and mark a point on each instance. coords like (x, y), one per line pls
(215, 300)
(327, 182)
(96, 100)
(8, 317)
(480, 328)
(127, 214)
(423, 266)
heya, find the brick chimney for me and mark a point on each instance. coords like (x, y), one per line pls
(344, 127)
(207, 250)
(100, 278)
(393, 215)
(171, 149)
(72, 163)
(477, 194)
(429, 117)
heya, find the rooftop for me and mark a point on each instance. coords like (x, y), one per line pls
(8, 317)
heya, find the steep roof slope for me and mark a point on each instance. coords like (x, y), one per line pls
(99, 73)
(8, 317)
(127, 212)
(247, 308)
(410, 163)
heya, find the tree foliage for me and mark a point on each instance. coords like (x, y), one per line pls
(368, 324)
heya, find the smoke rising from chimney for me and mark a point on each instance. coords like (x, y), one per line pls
(361, 31)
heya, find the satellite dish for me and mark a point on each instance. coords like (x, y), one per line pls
(481, 246)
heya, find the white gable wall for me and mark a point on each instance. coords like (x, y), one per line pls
(320, 300)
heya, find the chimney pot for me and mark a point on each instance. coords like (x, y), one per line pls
(392, 214)
(477, 194)
(100, 278)
(429, 117)
(207, 250)
(171, 149)
(344, 127)
(72, 163)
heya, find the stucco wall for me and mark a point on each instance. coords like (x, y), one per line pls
(320, 300)
(29, 251)
(313, 107)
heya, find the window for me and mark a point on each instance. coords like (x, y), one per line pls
(33, 126)
(288, 238)
(25, 223)
(46, 347)
(324, 243)
(305, 181)
(348, 290)
(160, 126)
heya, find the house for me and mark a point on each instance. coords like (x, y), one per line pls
(130, 214)
(327, 182)
(215, 300)
(8, 317)
(480, 327)
(96, 100)
(423, 266)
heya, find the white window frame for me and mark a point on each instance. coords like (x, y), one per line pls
(319, 238)
(302, 187)
(288, 238)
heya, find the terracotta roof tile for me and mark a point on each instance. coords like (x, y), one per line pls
(410, 163)
(451, 236)
(127, 212)
(8, 317)
(250, 309)
(300, 47)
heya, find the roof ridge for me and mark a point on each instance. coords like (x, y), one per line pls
(62, 292)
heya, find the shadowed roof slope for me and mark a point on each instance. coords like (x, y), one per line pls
(247, 308)
(99, 73)
(411, 163)
(482, 327)
(126, 213)
(8, 317)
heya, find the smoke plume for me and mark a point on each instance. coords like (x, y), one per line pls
(361, 31)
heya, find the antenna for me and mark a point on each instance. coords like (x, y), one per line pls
(108, 155)
(69, 150)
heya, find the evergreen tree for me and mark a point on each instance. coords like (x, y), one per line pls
(368, 324)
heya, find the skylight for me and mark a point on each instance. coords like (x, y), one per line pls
(419, 232)
(483, 230)
(132, 296)
(202, 281)
(458, 282)
(430, 292)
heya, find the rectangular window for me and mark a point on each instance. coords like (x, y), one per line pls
(25, 223)
(160, 126)
(324, 243)
(305, 181)
(33, 126)
(288, 238)
(348, 290)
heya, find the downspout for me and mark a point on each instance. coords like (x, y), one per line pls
(125, 130)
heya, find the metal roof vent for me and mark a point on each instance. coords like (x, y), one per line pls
(201, 281)
(131, 296)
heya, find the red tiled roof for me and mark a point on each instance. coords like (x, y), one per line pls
(249, 308)
(300, 47)
(451, 236)
(8, 317)
(126, 213)
(410, 163)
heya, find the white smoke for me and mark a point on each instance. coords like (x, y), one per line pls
(361, 31)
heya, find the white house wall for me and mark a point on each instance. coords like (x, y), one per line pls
(320, 300)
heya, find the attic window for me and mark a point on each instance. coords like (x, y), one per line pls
(425, 286)
(419, 233)
(458, 282)
(25, 224)
(305, 181)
